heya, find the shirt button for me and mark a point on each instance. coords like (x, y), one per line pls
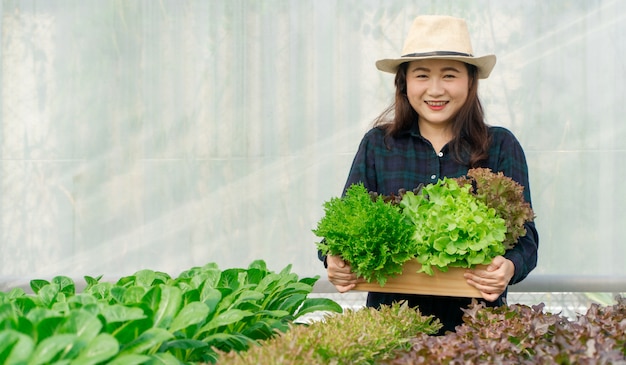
(433, 177)
(440, 154)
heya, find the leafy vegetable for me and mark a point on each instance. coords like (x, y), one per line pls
(373, 236)
(458, 222)
(505, 196)
(519, 334)
(151, 317)
(514, 334)
(364, 336)
(453, 228)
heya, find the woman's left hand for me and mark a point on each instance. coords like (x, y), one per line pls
(493, 280)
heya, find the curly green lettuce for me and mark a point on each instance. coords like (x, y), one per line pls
(453, 228)
(374, 237)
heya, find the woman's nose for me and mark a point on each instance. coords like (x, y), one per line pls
(435, 87)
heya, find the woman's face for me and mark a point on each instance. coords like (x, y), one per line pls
(436, 89)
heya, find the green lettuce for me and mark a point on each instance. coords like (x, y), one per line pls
(453, 228)
(374, 237)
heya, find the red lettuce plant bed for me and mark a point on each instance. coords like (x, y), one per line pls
(520, 334)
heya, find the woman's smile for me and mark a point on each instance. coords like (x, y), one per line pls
(436, 105)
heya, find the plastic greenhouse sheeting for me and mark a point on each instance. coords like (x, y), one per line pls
(165, 135)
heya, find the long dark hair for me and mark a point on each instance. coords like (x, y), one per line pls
(470, 144)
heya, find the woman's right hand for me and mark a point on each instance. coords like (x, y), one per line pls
(340, 274)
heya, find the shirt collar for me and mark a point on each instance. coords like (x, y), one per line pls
(415, 130)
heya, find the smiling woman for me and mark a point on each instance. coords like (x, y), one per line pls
(435, 130)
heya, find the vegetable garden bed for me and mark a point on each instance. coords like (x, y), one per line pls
(246, 316)
(515, 334)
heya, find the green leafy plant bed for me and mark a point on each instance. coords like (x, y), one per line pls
(151, 317)
(459, 222)
(364, 336)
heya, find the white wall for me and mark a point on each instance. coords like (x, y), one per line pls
(169, 134)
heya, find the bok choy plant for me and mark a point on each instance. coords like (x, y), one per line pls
(151, 317)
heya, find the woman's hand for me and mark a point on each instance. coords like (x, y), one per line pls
(492, 281)
(340, 274)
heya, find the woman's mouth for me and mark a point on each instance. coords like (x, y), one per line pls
(436, 105)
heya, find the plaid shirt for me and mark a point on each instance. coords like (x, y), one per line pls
(387, 164)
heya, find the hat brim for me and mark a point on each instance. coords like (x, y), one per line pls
(484, 64)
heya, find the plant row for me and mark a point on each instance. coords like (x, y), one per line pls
(363, 336)
(520, 334)
(151, 317)
(515, 334)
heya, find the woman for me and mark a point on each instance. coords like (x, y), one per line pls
(436, 129)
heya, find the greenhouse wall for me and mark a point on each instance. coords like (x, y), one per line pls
(170, 134)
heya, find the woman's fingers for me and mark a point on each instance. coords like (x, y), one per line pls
(494, 280)
(340, 274)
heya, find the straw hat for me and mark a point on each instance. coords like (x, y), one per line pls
(439, 37)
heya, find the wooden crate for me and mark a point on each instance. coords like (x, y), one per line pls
(450, 283)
